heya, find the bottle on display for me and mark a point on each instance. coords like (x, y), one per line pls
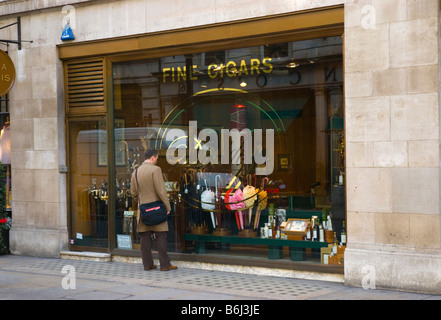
(335, 246)
(271, 211)
(266, 230)
(315, 233)
(340, 179)
(269, 225)
(321, 234)
(329, 223)
(278, 229)
(343, 234)
(325, 219)
(271, 230)
(309, 232)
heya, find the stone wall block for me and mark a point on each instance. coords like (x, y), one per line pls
(415, 190)
(367, 119)
(424, 153)
(368, 189)
(359, 154)
(390, 154)
(415, 117)
(367, 49)
(45, 134)
(414, 43)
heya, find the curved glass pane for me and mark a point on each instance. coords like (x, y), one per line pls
(265, 119)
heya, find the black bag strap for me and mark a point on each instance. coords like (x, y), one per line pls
(137, 185)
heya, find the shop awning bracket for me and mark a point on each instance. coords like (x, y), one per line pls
(19, 40)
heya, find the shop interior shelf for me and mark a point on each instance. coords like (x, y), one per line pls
(255, 241)
(275, 246)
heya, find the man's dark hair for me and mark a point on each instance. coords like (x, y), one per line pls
(150, 153)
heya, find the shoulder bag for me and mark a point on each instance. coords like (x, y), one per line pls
(152, 213)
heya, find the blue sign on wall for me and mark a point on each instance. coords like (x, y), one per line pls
(67, 33)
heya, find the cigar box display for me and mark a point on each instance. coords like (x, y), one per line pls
(295, 229)
(337, 255)
(325, 252)
(333, 254)
(337, 259)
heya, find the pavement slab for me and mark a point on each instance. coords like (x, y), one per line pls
(33, 278)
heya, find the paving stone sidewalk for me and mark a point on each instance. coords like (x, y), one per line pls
(31, 278)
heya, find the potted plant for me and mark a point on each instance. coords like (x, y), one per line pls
(5, 222)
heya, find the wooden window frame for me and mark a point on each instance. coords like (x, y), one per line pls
(321, 22)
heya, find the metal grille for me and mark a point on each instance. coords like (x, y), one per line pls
(85, 83)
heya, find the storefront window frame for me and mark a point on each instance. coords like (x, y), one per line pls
(73, 246)
(302, 30)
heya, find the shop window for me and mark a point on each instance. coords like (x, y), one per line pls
(286, 102)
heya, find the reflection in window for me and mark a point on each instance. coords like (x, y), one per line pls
(88, 183)
(284, 99)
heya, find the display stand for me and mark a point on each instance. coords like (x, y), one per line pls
(221, 232)
(199, 230)
(247, 233)
(275, 246)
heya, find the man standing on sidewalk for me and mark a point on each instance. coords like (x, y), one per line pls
(147, 186)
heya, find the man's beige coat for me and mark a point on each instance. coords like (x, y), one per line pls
(150, 187)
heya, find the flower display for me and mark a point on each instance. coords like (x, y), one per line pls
(236, 203)
(250, 196)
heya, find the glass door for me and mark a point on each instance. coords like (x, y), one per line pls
(88, 182)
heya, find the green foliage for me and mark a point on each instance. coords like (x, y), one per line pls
(3, 213)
